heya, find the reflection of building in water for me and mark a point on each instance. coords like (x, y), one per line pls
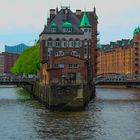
(122, 56)
(67, 42)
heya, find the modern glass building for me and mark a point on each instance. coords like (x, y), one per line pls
(18, 49)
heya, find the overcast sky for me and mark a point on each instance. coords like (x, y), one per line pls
(21, 21)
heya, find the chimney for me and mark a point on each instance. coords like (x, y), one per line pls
(94, 10)
(78, 12)
(56, 10)
(66, 14)
(52, 14)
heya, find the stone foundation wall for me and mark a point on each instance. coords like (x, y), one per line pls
(58, 97)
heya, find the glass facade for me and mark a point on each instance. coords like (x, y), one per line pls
(18, 49)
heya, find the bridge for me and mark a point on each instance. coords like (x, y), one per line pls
(16, 80)
(101, 80)
(118, 80)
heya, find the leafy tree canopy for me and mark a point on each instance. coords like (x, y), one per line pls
(28, 62)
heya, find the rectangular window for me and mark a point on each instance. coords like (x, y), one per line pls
(50, 44)
(77, 44)
(57, 43)
(61, 65)
(56, 65)
(65, 43)
(85, 51)
(70, 66)
(73, 66)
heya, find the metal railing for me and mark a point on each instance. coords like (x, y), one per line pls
(118, 78)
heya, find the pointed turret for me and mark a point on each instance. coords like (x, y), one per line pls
(136, 31)
(85, 21)
(136, 35)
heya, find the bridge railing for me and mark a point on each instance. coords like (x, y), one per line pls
(16, 79)
(118, 78)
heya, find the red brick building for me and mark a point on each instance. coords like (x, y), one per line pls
(7, 62)
(121, 57)
(68, 46)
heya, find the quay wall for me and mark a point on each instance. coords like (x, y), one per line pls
(62, 97)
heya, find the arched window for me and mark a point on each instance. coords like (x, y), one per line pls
(57, 42)
(71, 43)
(50, 43)
(59, 53)
(77, 43)
(75, 53)
(64, 43)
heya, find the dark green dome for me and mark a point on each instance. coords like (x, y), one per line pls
(54, 25)
(67, 25)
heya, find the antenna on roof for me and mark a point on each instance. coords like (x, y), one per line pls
(65, 7)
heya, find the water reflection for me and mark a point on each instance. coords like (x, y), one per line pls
(113, 115)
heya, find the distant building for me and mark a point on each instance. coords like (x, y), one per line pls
(18, 49)
(120, 57)
(1, 63)
(7, 60)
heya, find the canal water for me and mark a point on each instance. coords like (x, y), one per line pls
(113, 115)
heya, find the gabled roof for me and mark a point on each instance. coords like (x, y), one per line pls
(85, 21)
(60, 19)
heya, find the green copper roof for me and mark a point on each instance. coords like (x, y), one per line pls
(85, 21)
(137, 30)
(123, 44)
(54, 25)
(67, 25)
(100, 46)
(129, 42)
(111, 46)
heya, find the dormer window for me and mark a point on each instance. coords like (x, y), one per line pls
(67, 30)
(54, 28)
(67, 27)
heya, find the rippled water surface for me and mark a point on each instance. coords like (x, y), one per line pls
(113, 115)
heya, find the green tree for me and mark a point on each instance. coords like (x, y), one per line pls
(28, 62)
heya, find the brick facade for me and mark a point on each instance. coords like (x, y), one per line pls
(71, 53)
(121, 57)
(7, 62)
